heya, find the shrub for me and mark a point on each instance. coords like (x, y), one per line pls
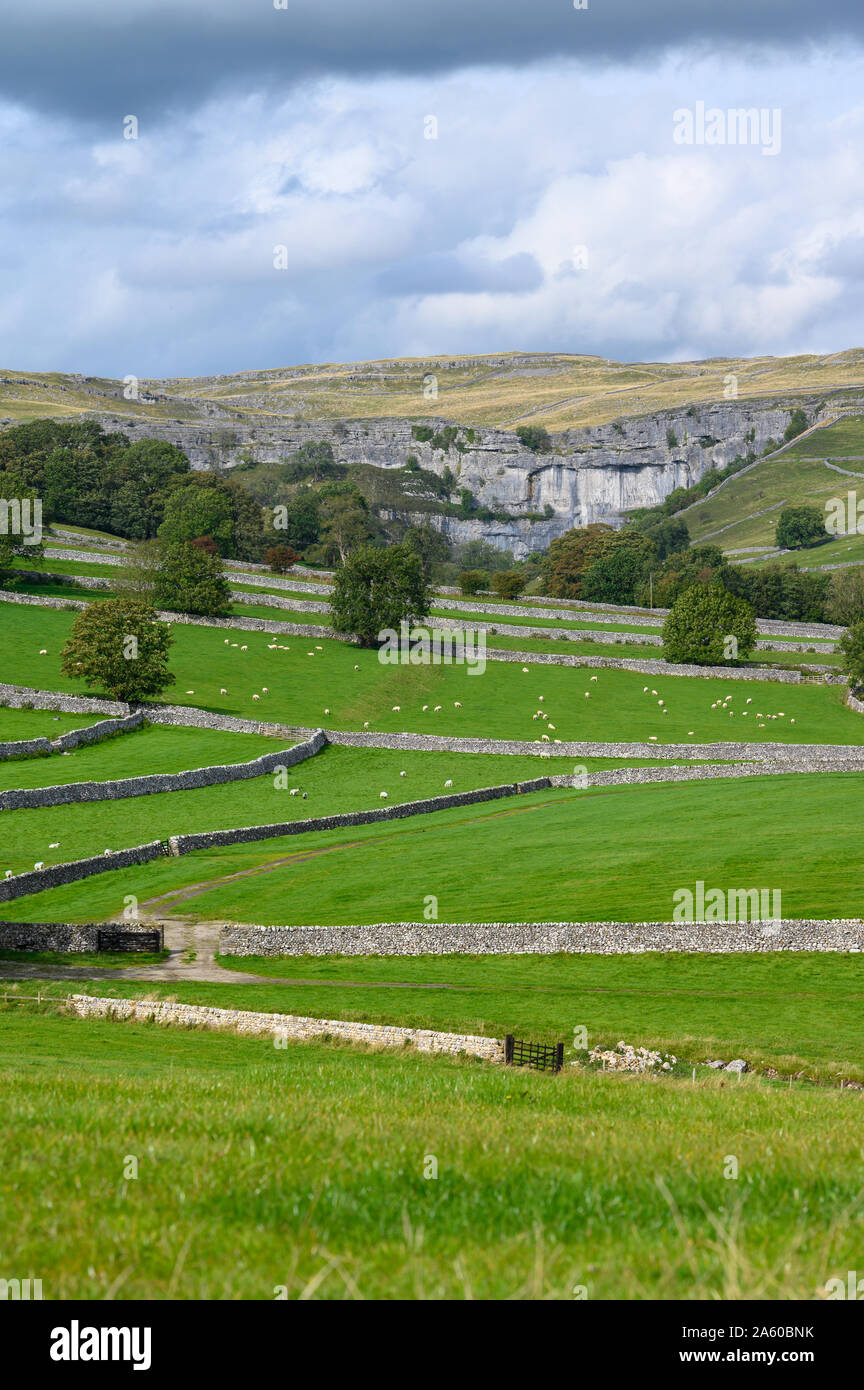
(710, 627)
(280, 558)
(851, 645)
(799, 527)
(508, 584)
(535, 438)
(472, 581)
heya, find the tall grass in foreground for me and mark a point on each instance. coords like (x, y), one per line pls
(303, 1169)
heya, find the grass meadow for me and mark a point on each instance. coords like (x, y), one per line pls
(307, 1172)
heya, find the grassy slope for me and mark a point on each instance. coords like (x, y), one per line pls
(312, 1177)
(153, 748)
(18, 724)
(615, 853)
(338, 779)
(497, 704)
(797, 476)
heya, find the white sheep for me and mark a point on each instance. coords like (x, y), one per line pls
(383, 796)
(244, 648)
(8, 873)
(326, 711)
(449, 782)
(43, 651)
(108, 851)
(551, 726)
(223, 691)
(356, 668)
(38, 864)
(403, 774)
(457, 704)
(437, 707)
(525, 669)
(54, 845)
(256, 697)
(541, 697)
(294, 791)
(593, 678)
(227, 641)
(190, 692)
(396, 709)
(425, 707)
(545, 738)
(366, 724)
(265, 690)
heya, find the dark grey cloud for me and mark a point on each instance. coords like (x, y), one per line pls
(98, 59)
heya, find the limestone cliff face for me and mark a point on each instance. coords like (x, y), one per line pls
(593, 474)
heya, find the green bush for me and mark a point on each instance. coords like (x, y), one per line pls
(377, 589)
(799, 527)
(709, 627)
(508, 584)
(473, 581)
(535, 438)
(851, 645)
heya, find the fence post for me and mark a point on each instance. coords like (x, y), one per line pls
(508, 1050)
(559, 1056)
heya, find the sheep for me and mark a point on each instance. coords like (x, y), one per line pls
(318, 647)
(294, 791)
(233, 644)
(190, 692)
(271, 646)
(457, 704)
(551, 726)
(264, 690)
(544, 738)
(54, 845)
(593, 678)
(534, 716)
(8, 873)
(689, 733)
(43, 651)
(403, 774)
(525, 669)
(541, 697)
(108, 851)
(383, 796)
(366, 724)
(223, 691)
(356, 668)
(653, 692)
(38, 864)
(449, 782)
(437, 707)
(244, 648)
(644, 690)
(660, 702)
(396, 709)
(256, 697)
(326, 711)
(587, 694)
(227, 641)
(425, 707)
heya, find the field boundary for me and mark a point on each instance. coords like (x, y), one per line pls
(542, 938)
(73, 738)
(285, 1027)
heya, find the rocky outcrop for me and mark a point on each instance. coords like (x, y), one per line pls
(596, 473)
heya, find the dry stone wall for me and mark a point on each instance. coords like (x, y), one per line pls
(186, 844)
(62, 936)
(17, 799)
(74, 738)
(39, 879)
(284, 1027)
(541, 938)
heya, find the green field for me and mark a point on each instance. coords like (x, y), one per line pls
(608, 853)
(313, 676)
(151, 748)
(303, 1169)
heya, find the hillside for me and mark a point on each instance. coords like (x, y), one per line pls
(562, 391)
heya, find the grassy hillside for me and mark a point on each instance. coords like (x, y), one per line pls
(559, 390)
(744, 511)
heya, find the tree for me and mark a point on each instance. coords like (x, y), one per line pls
(119, 646)
(281, 558)
(508, 584)
(535, 438)
(429, 544)
(348, 526)
(799, 527)
(480, 555)
(797, 425)
(700, 564)
(846, 599)
(200, 508)
(669, 536)
(190, 580)
(616, 575)
(299, 520)
(710, 627)
(570, 555)
(377, 589)
(472, 581)
(851, 645)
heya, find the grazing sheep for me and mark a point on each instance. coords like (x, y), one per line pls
(425, 707)
(38, 864)
(271, 646)
(233, 644)
(544, 738)
(383, 796)
(437, 707)
(396, 709)
(227, 641)
(264, 690)
(244, 648)
(402, 774)
(326, 711)
(256, 697)
(223, 691)
(54, 845)
(587, 694)
(8, 873)
(551, 726)
(190, 692)
(457, 704)
(644, 690)
(525, 669)
(318, 647)
(449, 782)
(356, 668)
(43, 651)
(593, 678)
(108, 851)
(294, 791)
(535, 716)
(366, 724)
(541, 697)
(653, 692)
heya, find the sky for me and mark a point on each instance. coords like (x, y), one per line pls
(207, 186)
